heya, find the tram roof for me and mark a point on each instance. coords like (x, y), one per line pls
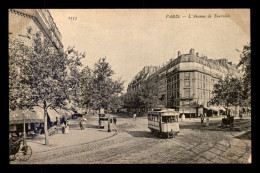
(164, 112)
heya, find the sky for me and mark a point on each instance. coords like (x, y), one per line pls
(133, 38)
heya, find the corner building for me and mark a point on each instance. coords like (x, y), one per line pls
(21, 20)
(190, 81)
(186, 83)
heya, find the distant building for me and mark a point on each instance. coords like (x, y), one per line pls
(141, 76)
(186, 83)
(22, 20)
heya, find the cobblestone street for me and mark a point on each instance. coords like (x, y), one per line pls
(135, 144)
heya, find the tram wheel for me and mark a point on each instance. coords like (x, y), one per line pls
(25, 153)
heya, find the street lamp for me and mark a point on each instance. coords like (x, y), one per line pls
(24, 138)
(108, 126)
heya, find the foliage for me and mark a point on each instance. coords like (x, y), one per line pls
(40, 75)
(245, 64)
(105, 89)
(227, 92)
(144, 97)
(19, 84)
(86, 87)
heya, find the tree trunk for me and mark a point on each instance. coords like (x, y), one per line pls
(45, 124)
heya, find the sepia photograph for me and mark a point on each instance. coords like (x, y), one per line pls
(129, 86)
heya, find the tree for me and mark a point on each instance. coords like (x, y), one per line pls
(46, 76)
(131, 100)
(19, 84)
(245, 65)
(104, 87)
(146, 96)
(227, 92)
(86, 80)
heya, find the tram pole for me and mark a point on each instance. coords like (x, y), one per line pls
(108, 129)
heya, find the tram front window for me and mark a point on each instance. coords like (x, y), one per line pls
(169, 119)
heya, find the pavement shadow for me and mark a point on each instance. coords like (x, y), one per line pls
(91, 126)
(245, 136)
(142, 134)
(191, 126)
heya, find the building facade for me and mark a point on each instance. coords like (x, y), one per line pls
(143, 75)
(186, 83)
(22, 20)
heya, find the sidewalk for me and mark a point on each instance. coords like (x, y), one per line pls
(64, 144)
(75, 137)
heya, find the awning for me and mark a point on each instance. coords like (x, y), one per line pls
(53, 114)
(18, 115)
(64, 113)
(214, 108)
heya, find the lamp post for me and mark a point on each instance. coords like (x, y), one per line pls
(108, 129)
(24, 137)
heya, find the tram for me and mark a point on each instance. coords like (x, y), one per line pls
(164, 122)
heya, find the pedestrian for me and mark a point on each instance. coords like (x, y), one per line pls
(134, 116)
(81, 125)
(202, 119)
(240, 115)
(58, 121)
(67, 129)
(207, 121)
(114, 119)
(63, 127)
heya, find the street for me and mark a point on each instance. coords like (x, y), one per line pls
(135, 144)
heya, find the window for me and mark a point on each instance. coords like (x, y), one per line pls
(186, 93)
(204, 94)
(178, 76)
(186, 75)
(187, 83)
(203, 85)
(203, 77)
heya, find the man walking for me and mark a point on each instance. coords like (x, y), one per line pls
(202, 119)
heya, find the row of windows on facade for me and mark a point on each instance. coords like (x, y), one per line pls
(200, 85)
(201, 94)
(200, 76)
(173, 104)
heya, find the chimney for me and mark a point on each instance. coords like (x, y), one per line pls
(191, 51)
(197, 54)
(179, 53)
